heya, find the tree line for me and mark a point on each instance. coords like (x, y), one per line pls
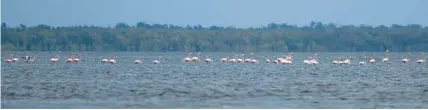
(315, 37)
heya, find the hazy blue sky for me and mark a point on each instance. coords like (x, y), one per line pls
(238, 13)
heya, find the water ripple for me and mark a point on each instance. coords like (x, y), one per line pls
(175, 84)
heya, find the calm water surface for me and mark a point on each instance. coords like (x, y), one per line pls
(175, 84)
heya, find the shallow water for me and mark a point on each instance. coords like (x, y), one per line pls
(175, 84)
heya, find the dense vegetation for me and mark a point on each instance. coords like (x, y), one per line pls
(169, 38)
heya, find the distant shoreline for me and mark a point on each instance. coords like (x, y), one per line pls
(316, 37)
(7, 51)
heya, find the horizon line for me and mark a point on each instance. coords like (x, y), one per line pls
(132, 25)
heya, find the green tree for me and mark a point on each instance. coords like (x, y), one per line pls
(169, 38)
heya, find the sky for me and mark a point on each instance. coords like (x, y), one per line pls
(237, 13)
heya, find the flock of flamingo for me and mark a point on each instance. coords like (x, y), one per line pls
(312, 60)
